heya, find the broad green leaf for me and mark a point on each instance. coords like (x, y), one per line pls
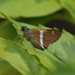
(20, 59)
(29, 8)
(7, 30)
(7, 53)
(7, 69)
(70, 6)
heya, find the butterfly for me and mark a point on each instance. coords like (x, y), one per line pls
(41, 38)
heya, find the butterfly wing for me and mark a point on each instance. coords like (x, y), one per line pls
(50, 36)
(35, 39)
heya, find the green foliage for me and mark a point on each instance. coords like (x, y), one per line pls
(18, 56)
(69, 5)
(29, 61)
(28, 8)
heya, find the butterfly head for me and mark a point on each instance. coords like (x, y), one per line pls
(25, 31)
(24, 28)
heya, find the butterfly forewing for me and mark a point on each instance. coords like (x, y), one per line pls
(35, 39)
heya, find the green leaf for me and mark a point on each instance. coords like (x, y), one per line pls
(20, 59)
(70, 6)
(7, 30)
(28, 8)
(7, 69)
(6, 51)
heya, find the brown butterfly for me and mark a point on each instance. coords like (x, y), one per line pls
(40, 38)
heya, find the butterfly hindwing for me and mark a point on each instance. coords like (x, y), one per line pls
(50, 36)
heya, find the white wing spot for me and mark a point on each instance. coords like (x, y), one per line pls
(41, 39)
(53, 32)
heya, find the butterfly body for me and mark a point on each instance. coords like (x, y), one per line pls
(41, 38)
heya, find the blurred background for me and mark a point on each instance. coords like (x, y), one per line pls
(51, 13)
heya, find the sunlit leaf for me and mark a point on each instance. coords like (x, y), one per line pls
(69, 5)
(28, 8)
